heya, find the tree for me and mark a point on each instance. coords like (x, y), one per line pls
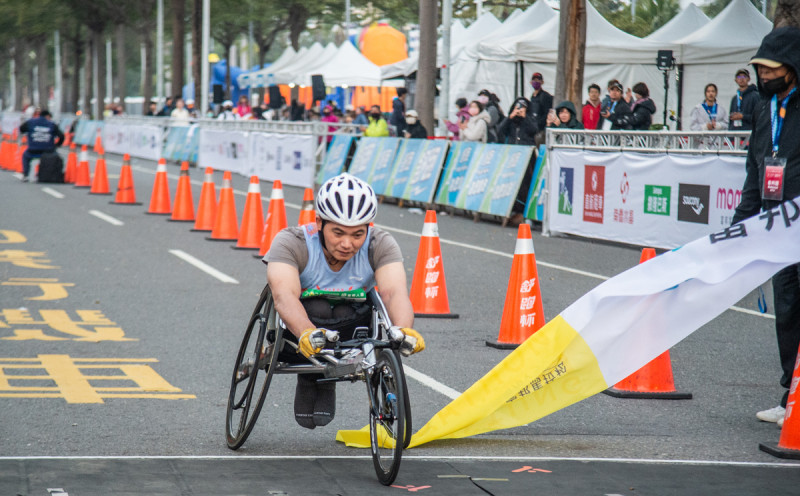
(178, 41)
(714, 7)
(571, 52)
(787, 13)
(650, 14)
(227, 24)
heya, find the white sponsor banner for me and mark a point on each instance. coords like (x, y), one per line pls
(134, 139)
(286, 157)
(11, 121)
(224, 150)
(656, 200)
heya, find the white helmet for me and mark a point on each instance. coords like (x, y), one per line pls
(347, 200)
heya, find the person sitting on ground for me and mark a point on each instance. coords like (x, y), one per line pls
(477, 127)
(643, 108)
(563, 116)
(44, 136)
(617, 114)
(462, 115)
(518, 128)
(709, 115)
(339, 250)
(414, 128)
(377, 124)
(591, 109)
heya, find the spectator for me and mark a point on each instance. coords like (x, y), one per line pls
(398, 117)
(377, 124)
(591, 109)
(643, 108)
(179, 114)
(461, 116)
(166, 110)
(744, 103)
(477, 127)
(361, 117)
(414, 128)
(617, 114)
(227, 113)
(564, 116)
(541, 103)
(243, 109)
(518, 128)
(490, 104)
(708, 115)
(44, 136)
(151, 109)
(296, 111)
(327, 116)
(191, 108)
(777, 66)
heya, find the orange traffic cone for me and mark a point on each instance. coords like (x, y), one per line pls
(3, 152)
(184, 205)
(126, 194)
(98, 143)
(82, 176)
(654, 380)
(67, 139)
(428, 286)
(18, 157)
(225, 228)
(789, 444)
(207, 208)
(72, 165)
(12, 154)
(276, 218)
(523, 314)
(252, 219)
(159, 199)
(100, 181)
(307, 213)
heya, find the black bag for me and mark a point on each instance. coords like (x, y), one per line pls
(51, 168)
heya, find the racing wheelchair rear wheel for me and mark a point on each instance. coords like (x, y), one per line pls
(387, 423)
(252, 374)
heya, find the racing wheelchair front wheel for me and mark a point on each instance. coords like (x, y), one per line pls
(387, 422)
(252, 374)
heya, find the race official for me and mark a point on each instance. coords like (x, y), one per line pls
(44, 136)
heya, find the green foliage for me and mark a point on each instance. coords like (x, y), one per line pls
(714, 7)
(650, 14)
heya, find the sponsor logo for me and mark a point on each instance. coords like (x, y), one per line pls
(565, 182)
(657, 199)
(594, 194)
(727, 201)
(528, 285)
(624, 188)
(693, 203)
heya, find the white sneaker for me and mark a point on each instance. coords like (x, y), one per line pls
(772, 415)
(780, 422)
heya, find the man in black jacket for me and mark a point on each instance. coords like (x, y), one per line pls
(518, 128)
(398, 117)
(743, 102)
(43, 137)
(776, 64)
(617, 115)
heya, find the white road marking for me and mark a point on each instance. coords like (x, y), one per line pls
(710, 463)
(204, 267)
(106, 217)
(52, 192)
(431, 382)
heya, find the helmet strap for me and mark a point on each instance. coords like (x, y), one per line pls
(322, 235)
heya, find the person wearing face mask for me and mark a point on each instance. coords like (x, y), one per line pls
(477, 127)
(377, 124)
(774, 145)
(541, 103)
(709, 115)
(414, 128)
(398, 117)
(461, 116)
(327, 116)
(489, 101)
(643, 108)
(518, 128)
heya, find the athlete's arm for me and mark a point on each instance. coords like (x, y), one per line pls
(284, 281)
(391, 281)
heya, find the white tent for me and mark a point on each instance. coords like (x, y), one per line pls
(348, 67)
(259, 77)
(302, 76)
(286, 74)
(688, 21)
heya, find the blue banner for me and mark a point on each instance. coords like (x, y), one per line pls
(403, 164)
(479, 177)
(335, 158)
(86, 132)
(364, 158)
(175, 142)
(426, 172)
(534, 208)
(458, 161)
(191, 144)
(384, 164)
(503, 189)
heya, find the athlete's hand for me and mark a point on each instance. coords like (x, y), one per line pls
(312, 341)
(411, 340)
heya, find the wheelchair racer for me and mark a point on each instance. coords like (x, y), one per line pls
(340, 252)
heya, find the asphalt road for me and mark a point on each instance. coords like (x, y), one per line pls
(176, 329)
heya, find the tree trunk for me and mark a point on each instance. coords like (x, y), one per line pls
(149, 53)
(75, 85)
(100, 52)
(298, 17)
(228, 89)
(19, 73)
(44, 73)
(197, 54)
(571, 51)
(122, 63)
(787, 13)
(178, 48)
(426, 72)
(87, 80)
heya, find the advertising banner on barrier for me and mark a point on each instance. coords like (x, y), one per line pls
(502, 192)
(403, 163)
(335, 158)
(86, 132)
(175, 142)
(191, 144)
(11, 121)
(363, 160)
(383, 164)
(224, 150)
(136, 140)
(287, 157)
(534, 207)
(479, 177)
(426, 172)
(455, 172)
(654, 200)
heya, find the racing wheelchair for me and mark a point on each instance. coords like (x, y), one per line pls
(269, 349)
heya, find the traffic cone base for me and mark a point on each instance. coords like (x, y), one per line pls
(789, 443)
(126, 192)
(776, 450)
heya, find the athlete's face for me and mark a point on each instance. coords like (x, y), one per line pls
(342, 242)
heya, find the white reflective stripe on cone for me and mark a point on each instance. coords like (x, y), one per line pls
(430, 230)
(277, 194)
(524, 246)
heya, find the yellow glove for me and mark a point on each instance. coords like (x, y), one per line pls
(311, 342)
(412, 341)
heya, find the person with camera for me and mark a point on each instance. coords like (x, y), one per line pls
(518, 128)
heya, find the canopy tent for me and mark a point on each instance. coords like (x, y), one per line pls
(259, 77)
(302, 76)
(688, 21)
(348, 67)
(293, 72)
